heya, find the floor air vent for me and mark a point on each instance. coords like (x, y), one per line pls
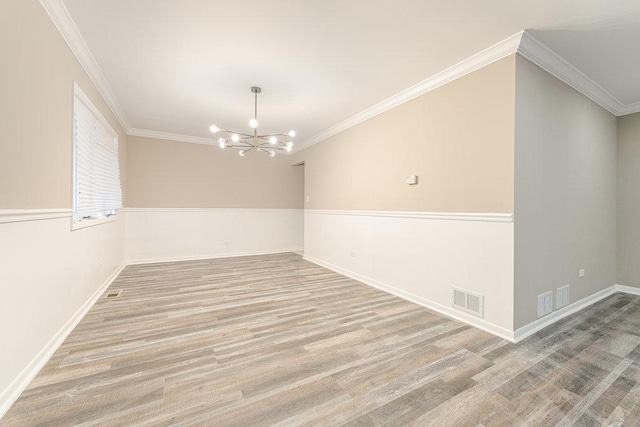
(114, 294)
(468, 301)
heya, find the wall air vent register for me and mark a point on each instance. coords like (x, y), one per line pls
(468, 301)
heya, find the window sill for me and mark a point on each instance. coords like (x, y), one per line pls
(85, 223)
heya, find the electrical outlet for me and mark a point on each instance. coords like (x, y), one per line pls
(581, 273)
(545, 304)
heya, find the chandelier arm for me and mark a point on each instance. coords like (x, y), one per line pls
(244, 135)
(241, 147)
(273, 134)
(278, 144)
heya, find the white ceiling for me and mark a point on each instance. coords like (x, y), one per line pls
(177, 66)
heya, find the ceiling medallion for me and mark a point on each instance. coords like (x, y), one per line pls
(245, 142)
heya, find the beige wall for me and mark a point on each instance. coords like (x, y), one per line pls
(169, 174)
(458, 139)
(48, 271)
(565, 191)
(629, 200)
(36, 82)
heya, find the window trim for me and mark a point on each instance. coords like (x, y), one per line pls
(80, 223)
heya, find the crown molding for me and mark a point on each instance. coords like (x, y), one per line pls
(170, 136)
(178, 138)
(61, 18)
(538, 53)
(522, 43)
(481, 59)
(630, 109)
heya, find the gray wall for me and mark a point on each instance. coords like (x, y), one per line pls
(629, 200)
(565, 191)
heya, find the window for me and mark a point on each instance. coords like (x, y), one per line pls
(96, 171)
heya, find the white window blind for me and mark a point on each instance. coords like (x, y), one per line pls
(97, 190)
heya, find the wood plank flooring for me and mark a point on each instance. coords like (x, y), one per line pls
(276, 340)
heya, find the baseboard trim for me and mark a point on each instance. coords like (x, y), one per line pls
(627, 289)
(432, 305)
(22, 381)
(513, 336)
(536, 326)
(210, 256)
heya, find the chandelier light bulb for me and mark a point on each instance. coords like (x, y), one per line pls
(273, 140)
(292, 133)
(222, 142)
(272, 153)
(235, 137)
(253, 123)
(214, 129)
(242, 153)
(288, 148)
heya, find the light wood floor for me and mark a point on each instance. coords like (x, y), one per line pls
(276, 340)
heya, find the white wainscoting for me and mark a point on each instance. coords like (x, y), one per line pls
(157, 234)
(50, 277)
(421, 256)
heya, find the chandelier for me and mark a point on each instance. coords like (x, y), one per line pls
(245, 142)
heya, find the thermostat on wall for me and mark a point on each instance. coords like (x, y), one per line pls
(412, 179)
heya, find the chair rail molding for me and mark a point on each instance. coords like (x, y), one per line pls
(20, 215)
(450, 216)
